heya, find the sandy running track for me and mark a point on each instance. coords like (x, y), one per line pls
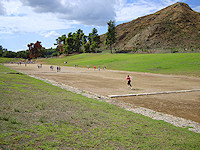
(110, 82)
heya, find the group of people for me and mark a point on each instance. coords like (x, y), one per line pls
(128, 78)
(40, 66)
(58, 68)
(24, 62)
(99, 68)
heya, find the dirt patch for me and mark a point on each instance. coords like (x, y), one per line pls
(184, 105)
(109, 82)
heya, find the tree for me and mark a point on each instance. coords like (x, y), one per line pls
(51, 52)
(43, 52)
(84, 39)
(60, 42)
(86, 48)
(77, 40)
(110, 35)
(5, 53)
(68, 46)
(72, 43)
(94, 40)
(34, 49)
(2, 50)
(9, 54)
(23, 54)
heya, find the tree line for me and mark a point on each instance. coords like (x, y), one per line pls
(25, 54)
(76, 42)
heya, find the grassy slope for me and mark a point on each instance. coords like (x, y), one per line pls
(179, 63)
(36, 115)
(3, 60)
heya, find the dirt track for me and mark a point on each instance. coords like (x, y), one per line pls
(109, 82)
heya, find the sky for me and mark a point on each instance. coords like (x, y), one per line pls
(27, 21)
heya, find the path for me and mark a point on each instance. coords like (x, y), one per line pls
(110, 82)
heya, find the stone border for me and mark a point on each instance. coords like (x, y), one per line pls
(176, 121)
(154, 93)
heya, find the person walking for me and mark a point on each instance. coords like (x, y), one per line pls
(129, 82)
(99, 68)
(51, 67)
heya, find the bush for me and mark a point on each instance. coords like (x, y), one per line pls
(124, 51)
(55, 54)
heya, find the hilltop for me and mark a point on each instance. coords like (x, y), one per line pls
(176, 26)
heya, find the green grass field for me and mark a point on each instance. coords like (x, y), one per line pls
(178, 63)
(37, 115)
(4, 60)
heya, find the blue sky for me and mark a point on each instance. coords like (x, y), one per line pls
(27, 21)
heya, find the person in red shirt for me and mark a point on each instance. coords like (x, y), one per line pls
(129, 82)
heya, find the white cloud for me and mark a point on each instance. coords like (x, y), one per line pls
(129, 11)
(88, 12)
(12, 7)
(21, 18)
(51, 34)
(2, 9)
(50, 15)
(170, 2)
(38, 23)
(197, 8)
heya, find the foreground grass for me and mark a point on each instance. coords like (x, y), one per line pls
(36, 115)
(178, 63)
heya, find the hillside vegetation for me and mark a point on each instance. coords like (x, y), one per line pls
(37, 115)
(178, 63)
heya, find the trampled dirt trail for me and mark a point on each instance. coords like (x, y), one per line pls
(110, 82)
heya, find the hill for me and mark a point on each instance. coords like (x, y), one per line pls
(176, 26)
